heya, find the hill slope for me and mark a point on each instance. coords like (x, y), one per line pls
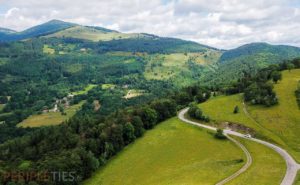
(250, 58)
(279, 123)
(43, 29)
(93, 34)
(6, 31)
(283, 120)
(260, 53)
(172, 153)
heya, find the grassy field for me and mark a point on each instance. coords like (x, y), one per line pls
(85, 90)
(279, 123)
(74, 68)
(283, 120)
(108, 86)
(268, 168)
(51, 118)
(220, 109)
(172, 153)
(176, 66)
(133, 93)
(48, 50)
(297, 181)
(92, 34)
(1, 107)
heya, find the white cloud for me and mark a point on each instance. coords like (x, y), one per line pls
(219, 23)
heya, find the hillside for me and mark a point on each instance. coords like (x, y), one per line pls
(260, 53)
(172, 153)
(250, 58)
(6, 31)
(283, 120)
(278, 123)
(43, 29)
(93, 34)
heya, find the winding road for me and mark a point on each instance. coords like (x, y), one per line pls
(292, 165)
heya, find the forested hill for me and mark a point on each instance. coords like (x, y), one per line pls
(249, 58)
(43, 29)
(6, 31)
(260, 52)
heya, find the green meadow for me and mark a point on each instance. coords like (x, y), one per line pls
(50, 118)
(172, 153)
(279, 124)
(92, 34)
(267, 167)
(85, 90)
(283, 120)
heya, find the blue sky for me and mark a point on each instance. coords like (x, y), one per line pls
(219, 23)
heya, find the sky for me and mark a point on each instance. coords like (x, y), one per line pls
(224, 24)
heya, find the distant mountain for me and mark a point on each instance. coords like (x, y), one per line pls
(43, 29)
(260, 53)
(250, 58)
(92, 34)
(6, 31)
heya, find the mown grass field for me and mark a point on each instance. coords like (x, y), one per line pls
(284, 119)
(50, 118)
(172, 153)
(268, 168)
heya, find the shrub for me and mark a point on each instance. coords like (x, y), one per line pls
(219, 134)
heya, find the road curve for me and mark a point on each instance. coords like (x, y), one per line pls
(244, 168)
(292, 165)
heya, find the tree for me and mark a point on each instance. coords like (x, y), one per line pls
(128, 133)
(236, 109)
(195, 112)
(138, 126)
(148, 116)
(220, 134)
(3, 99)
(115, 133)
(290, 66)
(276, 76)
(165, 108)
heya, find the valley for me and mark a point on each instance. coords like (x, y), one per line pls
(103, 104)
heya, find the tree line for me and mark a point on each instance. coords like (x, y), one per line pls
(258, 87)
(87, 141)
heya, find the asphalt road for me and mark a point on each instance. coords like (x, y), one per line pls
(292, 165)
